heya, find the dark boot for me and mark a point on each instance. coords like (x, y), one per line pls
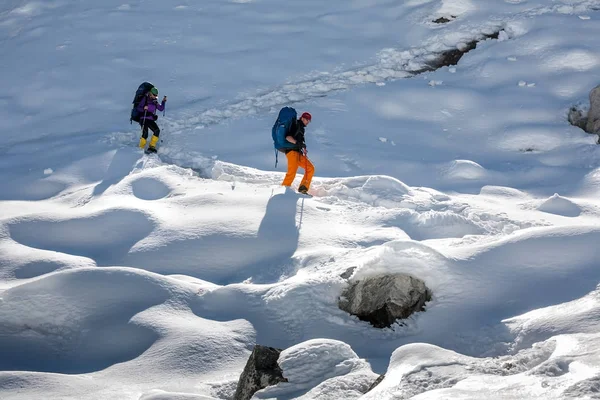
(303, 189)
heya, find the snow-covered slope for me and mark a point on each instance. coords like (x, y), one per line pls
(138, 277)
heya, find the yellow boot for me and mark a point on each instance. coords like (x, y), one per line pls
(152, 147)
(142, 143)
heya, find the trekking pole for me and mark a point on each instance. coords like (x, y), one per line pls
(305, 159)
(144, 123)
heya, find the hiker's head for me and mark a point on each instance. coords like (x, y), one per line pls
(153, 92)
(306, 118)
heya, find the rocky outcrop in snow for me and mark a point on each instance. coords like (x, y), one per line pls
(593, 118)
(321, 369)
(261, 371)
(382, 300)
(588, 120)
(578, 117)
(451, 57)
(377, 382)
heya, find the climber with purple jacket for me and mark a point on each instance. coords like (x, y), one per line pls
(147, 110)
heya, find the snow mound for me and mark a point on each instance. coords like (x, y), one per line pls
(580, 315)
(420, 367)
(550, 370)
(445, 224)
(317, 359)
(432, 224)
(503, 192)
(464, 169)
(590, 184)
(402, 256)
(68, 322)
(329, 367)
(560, 206)
(376, 190)
(115, 322)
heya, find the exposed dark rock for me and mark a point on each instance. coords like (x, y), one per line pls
(451, 57)
(593, 117)
(590, 121)
(382, 300)
(377, 382)
(261, 371)
(577, 117)
(444, 20)
(348, 273)
(508, 366)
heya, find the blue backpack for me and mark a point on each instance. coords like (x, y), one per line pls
(287, 116)
(142, 91)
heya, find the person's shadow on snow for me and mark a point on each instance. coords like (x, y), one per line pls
(278, 235)
(224, 258)
(279, 223)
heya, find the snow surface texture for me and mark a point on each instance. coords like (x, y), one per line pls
(125, 276)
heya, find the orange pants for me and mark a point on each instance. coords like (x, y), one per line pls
(295, 160)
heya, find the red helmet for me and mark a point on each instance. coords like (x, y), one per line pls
(306, 115)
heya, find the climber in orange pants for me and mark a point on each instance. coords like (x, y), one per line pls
(297, 157)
